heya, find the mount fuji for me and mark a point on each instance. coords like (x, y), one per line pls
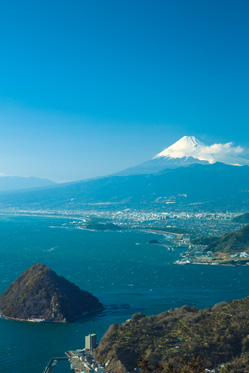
(187, 151)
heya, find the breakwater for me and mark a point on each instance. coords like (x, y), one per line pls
(52, 361)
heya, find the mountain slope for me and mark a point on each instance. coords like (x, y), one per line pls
(217, 335)
(243, 219)
(216, 185)
(39, 293)
(187, 146)
(159, 164)
(8, 183)
(231, 243)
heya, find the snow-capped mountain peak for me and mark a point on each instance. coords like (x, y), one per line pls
(189, 150)
(187, 146)
(190, 146)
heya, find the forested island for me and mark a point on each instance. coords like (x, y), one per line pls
(39, 294)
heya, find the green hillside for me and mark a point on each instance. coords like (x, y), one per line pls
(173, 340)
(243, 219)
(233, 242)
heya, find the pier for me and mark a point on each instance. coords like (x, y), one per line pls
(51, 361)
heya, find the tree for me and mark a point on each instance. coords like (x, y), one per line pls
(143, 365)
(194, 365)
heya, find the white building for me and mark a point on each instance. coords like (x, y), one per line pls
(91, 341)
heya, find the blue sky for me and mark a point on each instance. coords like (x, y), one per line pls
(91, 87)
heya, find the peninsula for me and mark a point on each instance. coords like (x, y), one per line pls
(228, 249)
(39, 294)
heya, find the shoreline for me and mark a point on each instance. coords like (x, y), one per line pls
(31, 320)
(213, 263)
(177, 235)
(37, 320)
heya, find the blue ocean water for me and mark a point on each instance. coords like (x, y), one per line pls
(120, 268)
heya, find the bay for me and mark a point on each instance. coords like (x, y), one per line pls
(126, 273)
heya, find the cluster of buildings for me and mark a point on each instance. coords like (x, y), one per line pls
(83, 361)
(200, 223)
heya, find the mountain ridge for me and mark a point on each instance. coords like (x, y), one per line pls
(220, 183)
(14, 183)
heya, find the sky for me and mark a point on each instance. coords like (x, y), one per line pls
(88, 88)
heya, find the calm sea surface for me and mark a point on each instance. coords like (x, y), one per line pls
(120, 268)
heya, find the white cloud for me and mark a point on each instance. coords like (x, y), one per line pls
(226, 153)
(191, 147)
(223, 148)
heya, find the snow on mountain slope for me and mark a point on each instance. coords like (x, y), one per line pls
(190, 146)
(187, 146)
(189, 150)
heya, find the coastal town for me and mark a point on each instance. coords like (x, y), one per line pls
(80, 360)
(197, 223)
(178, 229)
(84, 360)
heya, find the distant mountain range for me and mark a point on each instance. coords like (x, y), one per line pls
(208, 186)
(8, 183)
(186, 173)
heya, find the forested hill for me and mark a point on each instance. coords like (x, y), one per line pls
(174, 339)
(229, 243)
(39, 293)
(243, 219)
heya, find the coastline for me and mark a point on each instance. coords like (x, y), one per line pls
(224, 264)
(178, 236)
(37, 320)
(213, 262)
(32, 320)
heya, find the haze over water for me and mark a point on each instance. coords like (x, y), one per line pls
(120, 268)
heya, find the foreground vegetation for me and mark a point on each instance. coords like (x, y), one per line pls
(181, 340)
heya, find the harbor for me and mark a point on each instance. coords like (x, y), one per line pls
(53, 363)
(79, 361)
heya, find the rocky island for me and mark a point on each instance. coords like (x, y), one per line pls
(181, 340)
(39, 294)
